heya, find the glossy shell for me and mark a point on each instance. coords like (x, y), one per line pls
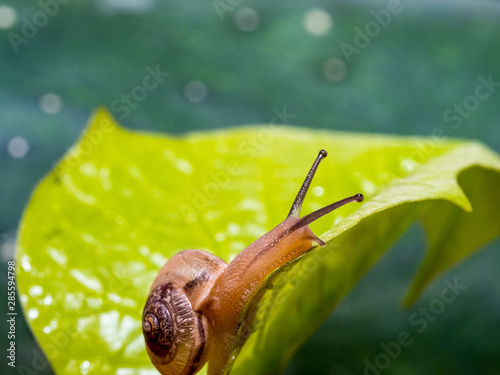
(174, 327)
(175, 334)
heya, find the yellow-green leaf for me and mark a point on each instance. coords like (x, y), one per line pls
(120, 203)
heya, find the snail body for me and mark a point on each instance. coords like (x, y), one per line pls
(192, 312)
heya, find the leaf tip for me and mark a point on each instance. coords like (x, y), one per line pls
(102, 119)
(100, 125)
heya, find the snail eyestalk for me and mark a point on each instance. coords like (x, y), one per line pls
(299, 199)
(308, 219)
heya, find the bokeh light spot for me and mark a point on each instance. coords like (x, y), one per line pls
(8, 17)
(130, 6)
(317, 22)
(195, 91)
(334, 70)
(18, 147)
(50, 103)
(247, 19)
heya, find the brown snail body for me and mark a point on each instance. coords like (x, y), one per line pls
(194, 304)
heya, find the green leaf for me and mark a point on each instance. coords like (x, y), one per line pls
(120, 203)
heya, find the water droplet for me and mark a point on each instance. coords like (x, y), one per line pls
(368, 187)
(36, 290)
(135, 172)
(144, 250)
(48, 300)
(26, 263)
(318, 191)
(408, 165)
(94, 303)
(87, 237)
(88, 169)
(87, 280)
(158, 259)
(85, 367)
(233, 229)
(58, 256)
(33, 313)
(184, 166)
(114, 297)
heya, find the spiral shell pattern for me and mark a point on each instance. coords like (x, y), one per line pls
(172, 330)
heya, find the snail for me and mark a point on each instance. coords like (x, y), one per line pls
(192, 311)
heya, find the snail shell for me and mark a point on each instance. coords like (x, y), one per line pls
(174, 327)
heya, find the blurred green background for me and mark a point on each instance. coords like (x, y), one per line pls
(231, 62)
